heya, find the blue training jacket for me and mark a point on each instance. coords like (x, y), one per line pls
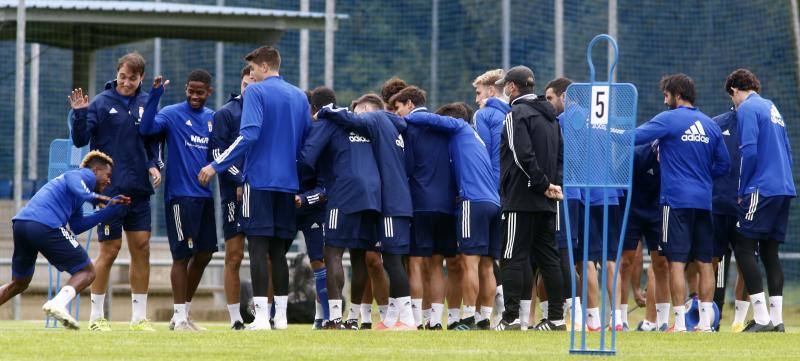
(489, 124)
(187, 131)
(766, 154)
(470, 159)
(430, 173)
(60, 202)
(646, 183)
(346, 160)
(110, 124)
(275, 119)
(384, 130)
(726, 188)
(692, 153)
(569, 192)
(225, 131)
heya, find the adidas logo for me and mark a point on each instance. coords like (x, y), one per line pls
(113, 111)
(314, 226)
(726, 132)
(189, 123)
(758, 302)
(651, 172)
(134, 301)
(335, 307)
(695, 133)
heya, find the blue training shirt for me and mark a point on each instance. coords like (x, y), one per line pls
(225, 131)
(430, 173)
(187, 131)
(275, 119)
(692, 153)
(473, 168)
(569, 192)
(646, 183)
(726, 187)
(766, 154)
(489, 124)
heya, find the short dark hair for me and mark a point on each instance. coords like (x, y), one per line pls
(133, 60)
(246, 70)
(559, 85)
(455, 110)
(680, 85)
(412, 93)
(742, 79)
(265, 54)
(390, 88)
(199, 75)
(369, 98)
(96, 157)
(322, 96)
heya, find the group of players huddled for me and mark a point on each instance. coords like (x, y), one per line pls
(409, 193)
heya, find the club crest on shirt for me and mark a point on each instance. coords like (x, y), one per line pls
(141, 112)
(210, 126)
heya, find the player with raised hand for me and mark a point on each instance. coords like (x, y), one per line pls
(692, 153)
(41, 227)
(191, 226)
(110, 124)
(766, 189)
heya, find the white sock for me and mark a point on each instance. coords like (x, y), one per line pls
(139, 307)
(179, 312)
(63, 297)
(437, 309)
(318, 312)
(392, 313)
(269, 310)
(469, 311)
(543, 308)
(524, 312)
(706, 314)
(188, 308)
(484, 314)
(617, 321)
(662, 314)
(233, 311)
(623, 308)
(366, 313)
(593, 317)
(578, 313)
(416, 307)
(336, 308)
(98, 300)
(499, 301)
(382, 309)
(407, 311)
(760, 311)
(263, 309)
(680, 317)
(740, 314)
(355, 311)
(648, 326)
(776, 309)
(426, 316)
(453, 315)
(281, 303)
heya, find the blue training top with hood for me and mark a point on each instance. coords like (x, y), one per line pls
(489, 124)
(726, 187)
(225, 131)
(428, 165)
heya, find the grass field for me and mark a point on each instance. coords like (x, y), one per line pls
(28, 340)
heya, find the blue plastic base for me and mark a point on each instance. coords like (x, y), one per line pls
(593, 352)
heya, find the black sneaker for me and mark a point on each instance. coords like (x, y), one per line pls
(366, 326)
(436, 327)
(752, 326)
(351, 324)
(779, 328)
(334, 325)
(546, 325)
(484, 325)
(453, 325)
(421, 328)
(238, 326)
(467, 324)
(317, 324)
(508, 326)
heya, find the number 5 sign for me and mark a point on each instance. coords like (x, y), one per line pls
(599, 105)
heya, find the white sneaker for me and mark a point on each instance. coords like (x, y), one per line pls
(259, 325)
(60, 313)
(280, 323)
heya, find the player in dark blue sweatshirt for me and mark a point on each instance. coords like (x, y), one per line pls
(692, 153)
(766, 189)
(41, 227)
(394, 232)
(191, 227)
(275, 119)
(110, 124)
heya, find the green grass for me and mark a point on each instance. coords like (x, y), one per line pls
(27, 340)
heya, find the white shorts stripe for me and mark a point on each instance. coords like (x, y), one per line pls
(176, 209)
(665, 224)
(558, 216)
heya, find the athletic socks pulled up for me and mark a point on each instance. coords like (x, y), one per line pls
(382, 310)
(63, 297)
(706, 315)
(624, 312)
(335, 308)
(484, 314)
(662, 314)
(760, 311)
(593, 318)
(524, 312)
(416, 308)
(233, 312)
(406, 311)
(453, 315)
(366, 313)
(437, 311)
(355, 311)
(776, 309)
(543, 307)
(179, 313)
(98, 301)
(680, 317)
(740, 311)
(139, 307)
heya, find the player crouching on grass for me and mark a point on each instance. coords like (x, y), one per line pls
(41, 227)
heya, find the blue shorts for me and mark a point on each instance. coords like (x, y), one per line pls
(231, 209)
(764, 218)
(561, 224)
(724, 234)
(433, 233)
(596, 233)
(688, 235)
(190, 226)
(135, 217)
(394, 235)
(58, 245)
(642, 229)
(478, 229)
(312, 226)
(268, 214)
(357, 230)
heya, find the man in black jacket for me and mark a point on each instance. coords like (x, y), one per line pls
(531, 160)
